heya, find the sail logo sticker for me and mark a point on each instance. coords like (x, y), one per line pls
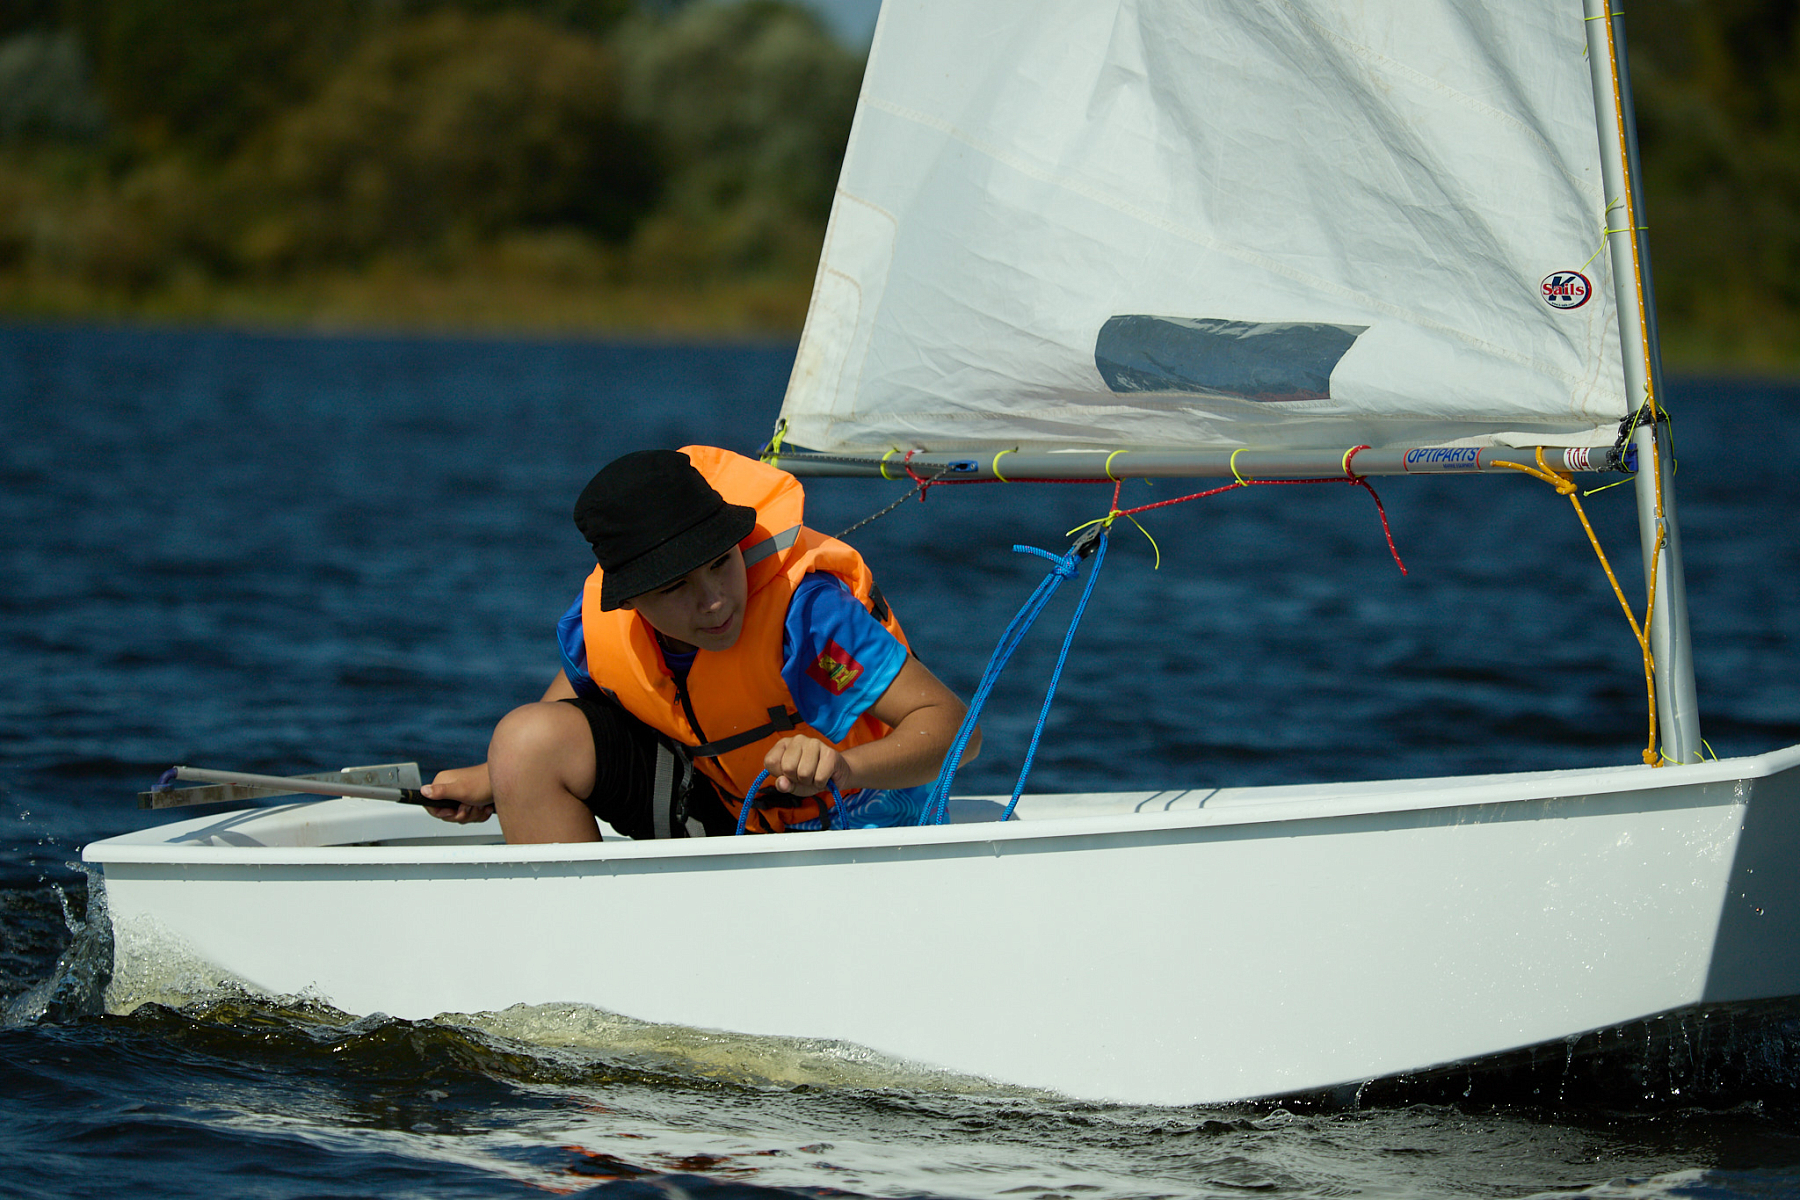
(835, 670)
(1566, 289)
(1442, 458)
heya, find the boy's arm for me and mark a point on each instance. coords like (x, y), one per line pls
(466, 792)
(925, 716)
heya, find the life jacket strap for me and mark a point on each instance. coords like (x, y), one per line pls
(780, 720)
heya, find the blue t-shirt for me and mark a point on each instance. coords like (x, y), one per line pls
(837, 661)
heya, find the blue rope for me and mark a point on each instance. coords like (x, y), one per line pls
(824, 812)
(937, 802)
(1055, 678)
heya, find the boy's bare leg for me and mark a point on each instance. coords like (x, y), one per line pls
(541, 761)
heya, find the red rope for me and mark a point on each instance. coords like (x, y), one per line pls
(1382, 509)
(924, 483)
(1358, 480)
(1118, 484)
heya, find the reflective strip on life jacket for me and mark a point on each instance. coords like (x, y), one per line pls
(771, 545)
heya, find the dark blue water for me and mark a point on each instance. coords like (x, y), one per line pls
(287, 553)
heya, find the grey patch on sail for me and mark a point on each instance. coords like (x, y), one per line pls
(1265, 361)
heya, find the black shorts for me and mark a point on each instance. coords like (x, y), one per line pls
(644, 784)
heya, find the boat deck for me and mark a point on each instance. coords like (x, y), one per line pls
(373, 823)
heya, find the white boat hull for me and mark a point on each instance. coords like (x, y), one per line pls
(1170, 948)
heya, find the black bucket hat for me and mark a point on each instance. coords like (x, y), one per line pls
(651, 517)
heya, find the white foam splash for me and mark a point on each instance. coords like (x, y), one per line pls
(152, 965)
(721, 1056)
(73, 987)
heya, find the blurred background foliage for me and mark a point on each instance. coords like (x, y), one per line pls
(522, 163)
(644, 164)
(1717, 86)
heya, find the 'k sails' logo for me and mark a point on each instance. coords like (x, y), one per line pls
(1566, 289)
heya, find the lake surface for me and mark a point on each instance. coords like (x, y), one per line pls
(282, 554)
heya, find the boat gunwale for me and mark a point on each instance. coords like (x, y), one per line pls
(1237, 807)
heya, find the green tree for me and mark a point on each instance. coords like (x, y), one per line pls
(449, 129)
(202, 75)
(30, 16)
(44, 89)
(751, 105)
(1717, 88)
(596, 17)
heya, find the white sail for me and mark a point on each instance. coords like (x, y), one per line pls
(1187, 224)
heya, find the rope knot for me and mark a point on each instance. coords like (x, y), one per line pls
(1063, 566)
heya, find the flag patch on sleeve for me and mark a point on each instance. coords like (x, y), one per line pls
(835, 670)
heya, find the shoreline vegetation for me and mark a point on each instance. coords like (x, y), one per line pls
(625, 166)
(658, 168)
(493, 294)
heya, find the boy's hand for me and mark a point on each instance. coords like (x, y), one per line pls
(803, 766)
(467, 796)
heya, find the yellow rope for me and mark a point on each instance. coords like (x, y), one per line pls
(1156, 563)
(772, 452)
(1108, 520)
(884, 459)
(1649, 406)
(1234, 471)
(1605, 230)
(996, 467)
(1109, 459)
(1565, 485)
(1595, 491)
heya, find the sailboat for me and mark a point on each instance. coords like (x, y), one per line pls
(1112, 239)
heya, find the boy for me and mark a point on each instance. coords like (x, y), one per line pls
(717, 638)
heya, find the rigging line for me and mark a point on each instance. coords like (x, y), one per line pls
(1358, 480)
(1233, 465)
(1064, 567)
(1628, 425)
(1381, 510)
(937, 800)
(771, 451)
(1668, 419)
(1565, 485)
(1614, 33)
(1113, 514)
(920, 484)
(906, 465)
(1604, 231)
(1056, 677)
(825, 810)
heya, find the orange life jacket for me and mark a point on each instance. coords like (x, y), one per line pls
(735, 705)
